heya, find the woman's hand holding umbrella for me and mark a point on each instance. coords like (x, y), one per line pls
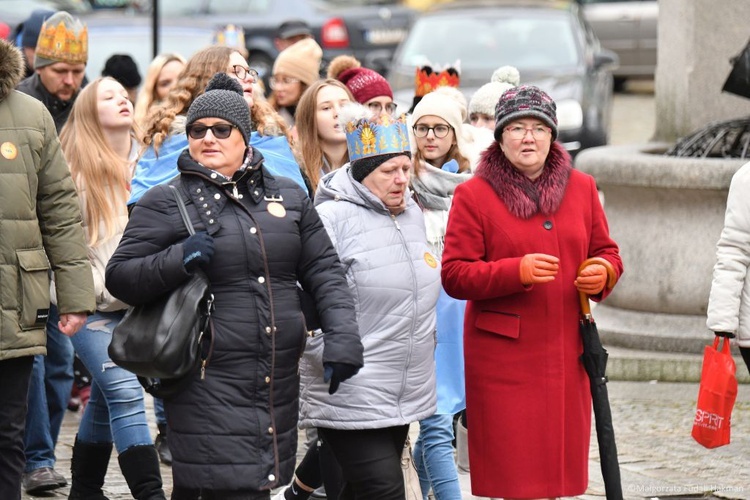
(591, 279)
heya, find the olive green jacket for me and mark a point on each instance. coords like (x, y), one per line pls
(40, 220)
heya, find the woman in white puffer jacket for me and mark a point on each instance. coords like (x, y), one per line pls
(729, 302)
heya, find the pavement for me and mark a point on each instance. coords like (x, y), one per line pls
(653, 400)
(652, 422)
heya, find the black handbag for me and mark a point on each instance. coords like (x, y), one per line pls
(165, 341)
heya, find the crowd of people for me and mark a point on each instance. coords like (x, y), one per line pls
(370, 269)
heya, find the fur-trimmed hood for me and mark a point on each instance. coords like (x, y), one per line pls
(521, 195)
(11, 68)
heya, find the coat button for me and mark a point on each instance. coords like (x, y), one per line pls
(268, 380)
(261, 279)
(253, 230)
(201, 198)
(217, 196)
(210, 221)
(547, 225)
(255, 192)
(205, 205)
(240, 197)
(270, 430)
(214, 176)
(268, 329)
(198, 190)
(271, 477)
(208, 212)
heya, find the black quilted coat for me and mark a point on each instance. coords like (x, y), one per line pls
(237, 428)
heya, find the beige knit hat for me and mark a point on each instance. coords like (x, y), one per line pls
(300, 60)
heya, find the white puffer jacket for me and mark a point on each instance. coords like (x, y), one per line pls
(729, 302)
(395, 281)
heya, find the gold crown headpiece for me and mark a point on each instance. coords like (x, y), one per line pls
(429, 77)
(63, 39)
(368, 135)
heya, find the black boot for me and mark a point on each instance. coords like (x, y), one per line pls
(162, 445)
(140, 466)
(88, 467)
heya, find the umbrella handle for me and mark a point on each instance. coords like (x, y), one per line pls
(583, 297)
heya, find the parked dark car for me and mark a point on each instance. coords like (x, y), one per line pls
(368, 29)
(549, 42)
(629, 29)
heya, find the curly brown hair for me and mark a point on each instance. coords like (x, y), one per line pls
(191, 83)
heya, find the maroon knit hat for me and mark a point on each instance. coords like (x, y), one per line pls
(365, 84)
(525, 101)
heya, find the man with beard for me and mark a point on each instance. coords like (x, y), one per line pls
(59, 68)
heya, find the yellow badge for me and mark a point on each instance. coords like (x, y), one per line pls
(430, 260)
(8, 150)
(276, 209)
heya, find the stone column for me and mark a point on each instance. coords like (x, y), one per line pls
(697, 39)
(667, 213)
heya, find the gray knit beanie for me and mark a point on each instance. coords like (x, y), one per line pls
(523, 102)
(223, 99)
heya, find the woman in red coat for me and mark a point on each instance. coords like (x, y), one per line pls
(516, 235)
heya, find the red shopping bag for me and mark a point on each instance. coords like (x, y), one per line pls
(716, 396)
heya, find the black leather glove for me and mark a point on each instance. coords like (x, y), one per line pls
(728, 335)
(337, 373)
(197, 250)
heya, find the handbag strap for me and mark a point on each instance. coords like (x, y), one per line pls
(183, 210)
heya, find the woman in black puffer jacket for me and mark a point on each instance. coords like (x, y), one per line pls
(233, 434)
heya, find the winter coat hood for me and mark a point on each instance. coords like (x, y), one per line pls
(521, 195)
(11, 68)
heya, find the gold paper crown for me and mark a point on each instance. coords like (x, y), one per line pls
(426, 79)
(231, 36)
(376, 136)
(63, 39)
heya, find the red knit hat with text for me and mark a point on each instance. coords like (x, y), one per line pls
(364, 83)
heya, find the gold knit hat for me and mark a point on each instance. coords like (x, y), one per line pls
(62, 38)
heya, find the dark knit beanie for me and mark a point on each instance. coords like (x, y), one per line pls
(365, 166)
(122, 68)
(32, 26)
(223, 99)
(523, 102)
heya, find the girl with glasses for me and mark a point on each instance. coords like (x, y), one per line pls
(446, 150)
(367, 86)
(295, 69)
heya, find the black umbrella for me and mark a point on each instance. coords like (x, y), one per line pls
(594, 360)
(738, 81)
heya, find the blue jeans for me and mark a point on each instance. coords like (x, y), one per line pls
(49, 391)
(433, 458)
(159, 413)
(116, 411)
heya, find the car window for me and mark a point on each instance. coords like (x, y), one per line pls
(523, 42)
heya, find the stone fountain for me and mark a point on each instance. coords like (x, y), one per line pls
(667, 213)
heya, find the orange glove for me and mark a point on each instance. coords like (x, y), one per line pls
(538, 268)
(591, 279)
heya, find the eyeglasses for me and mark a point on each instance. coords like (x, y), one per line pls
(440, 131)
(279, 82)
(377, 108)
(242, 72)
(518, 132)
(220, 130)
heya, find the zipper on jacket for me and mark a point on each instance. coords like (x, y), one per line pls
(414, 303)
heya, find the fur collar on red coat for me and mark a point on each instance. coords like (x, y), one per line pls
(521, 195)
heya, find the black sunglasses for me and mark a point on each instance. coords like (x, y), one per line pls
(220, 130)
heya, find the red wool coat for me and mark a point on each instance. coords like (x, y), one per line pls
(528, 397)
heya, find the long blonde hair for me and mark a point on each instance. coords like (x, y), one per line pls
(147, 95)
(102, 177)
(310, 146)
(192, 82)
